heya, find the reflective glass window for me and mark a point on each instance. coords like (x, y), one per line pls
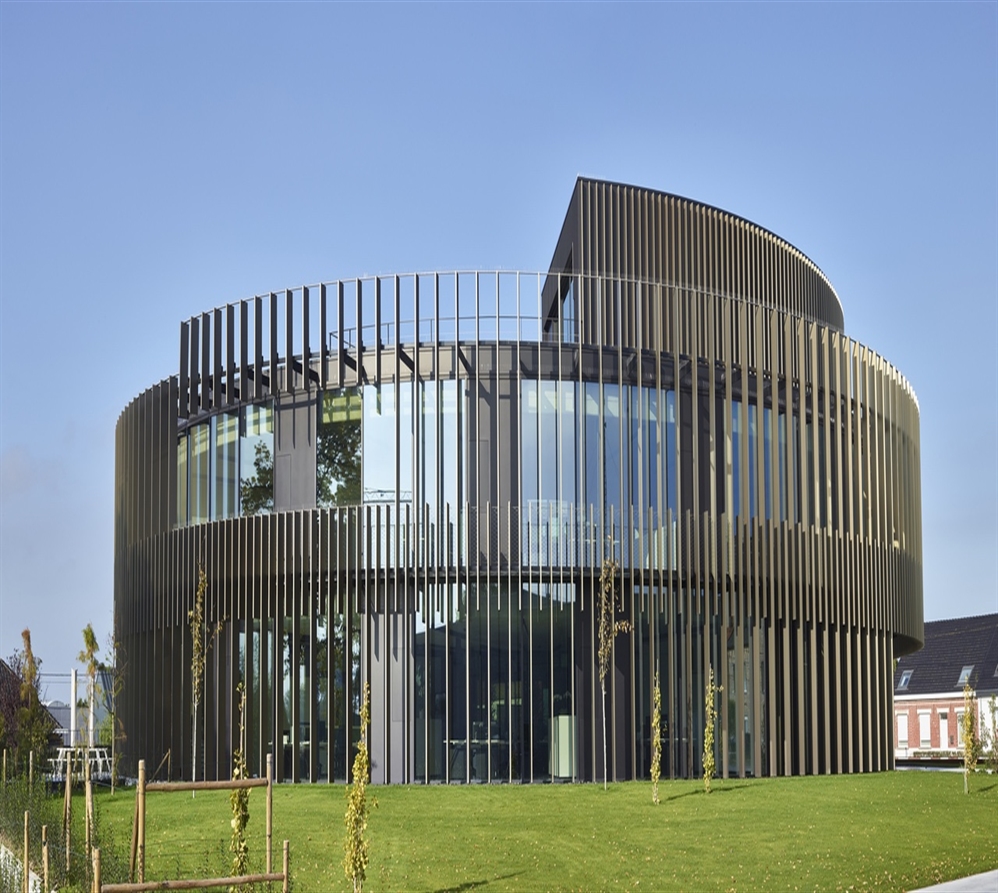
(810, 471)
(736, 455)
(338, 445)
(457, 661)
(613, 456)
(429, 458)
(766, 461)
(225, 464)
(563, 728)
(540, 694)
(405, 440)
(321, 732)
(568, 313)
(454, 437)
(200, 479)
(182, 479)
(781, 432)
(379, 443)
(256, 460)
(823, 479)
(750, 472)
(593, 496)
(670, 450)
(548, 441)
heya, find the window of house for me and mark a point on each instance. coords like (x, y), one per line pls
(905, 679)
(924, 729)
(902, 729)
(965, 675)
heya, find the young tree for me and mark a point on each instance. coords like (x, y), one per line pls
(114, 673)
(656, 738)
(356, 856)
(88, 657)
(201, 641)
(709, 720)
(239, 799)
(606, 631)
(33, 722)
(968, 727)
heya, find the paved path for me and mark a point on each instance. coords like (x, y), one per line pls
(976, 883)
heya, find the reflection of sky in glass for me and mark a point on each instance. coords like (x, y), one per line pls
(256, 457)
(378, 464)
(225, 496)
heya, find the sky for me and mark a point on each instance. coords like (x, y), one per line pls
(161, 159)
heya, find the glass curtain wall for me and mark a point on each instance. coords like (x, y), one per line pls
(225, 466)
(493, 689)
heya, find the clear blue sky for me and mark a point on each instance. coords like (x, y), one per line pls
(159, 159)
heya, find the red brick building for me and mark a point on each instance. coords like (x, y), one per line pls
(928, 687)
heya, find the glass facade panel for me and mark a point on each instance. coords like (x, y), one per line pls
(593, 479)
(256, 460)
(225, 458)
(379, 441)
(338, 449)
(321, 731)
(568, 312)
(428, 460)
(736, 459)
(406, 435)
(670, 450)
(182, 447)
(480, 733)
(436, 687)
(613, 459)
(563, 721)
(541, 699)
(200, 473)
(752, 473)
(457, 692)
(339, 668)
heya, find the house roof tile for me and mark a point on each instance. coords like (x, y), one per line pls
(951, 645)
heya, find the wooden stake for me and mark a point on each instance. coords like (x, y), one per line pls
(87, 793)
(287, 866)
(142, 821)
(270, 811)
(25, 877)
(31, 769)
(97, 877)
(67, 812)
(135, 841)
(45, 858)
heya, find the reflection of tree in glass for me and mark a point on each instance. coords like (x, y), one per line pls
(338, 464)
(258, 491)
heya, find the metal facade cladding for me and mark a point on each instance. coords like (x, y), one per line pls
(760, 490)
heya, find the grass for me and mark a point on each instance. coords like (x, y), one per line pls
(890, 831)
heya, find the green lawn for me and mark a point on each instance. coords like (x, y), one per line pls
(891, 831)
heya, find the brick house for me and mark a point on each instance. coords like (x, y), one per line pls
(928, 687)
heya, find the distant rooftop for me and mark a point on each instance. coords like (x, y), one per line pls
(958, 650)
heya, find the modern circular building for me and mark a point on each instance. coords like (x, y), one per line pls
(415, 481)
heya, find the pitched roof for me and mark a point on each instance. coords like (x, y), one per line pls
(950, 646)
(10, 691)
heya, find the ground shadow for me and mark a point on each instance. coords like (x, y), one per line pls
(715, 790)
(472, 885)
